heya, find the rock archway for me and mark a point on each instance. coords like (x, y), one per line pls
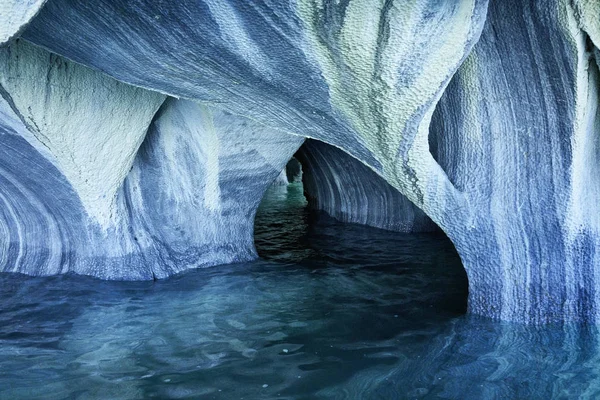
(511, 174)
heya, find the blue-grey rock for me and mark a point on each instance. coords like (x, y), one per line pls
(91, 124)
(293, 170)
(15, 15)
(517, 133)
(349, 191)
(363, 75)
(586, 13)
(189, 193)
(281, 179)
(509, 171)
(197, 182)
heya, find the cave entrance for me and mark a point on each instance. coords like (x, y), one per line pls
(282, 219)
(327, 211)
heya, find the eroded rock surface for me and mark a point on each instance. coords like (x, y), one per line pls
(185, 199)
(506, 164)
(349, 191)
(520, 139)
(91, 124)
(362, 75)
(15, 15)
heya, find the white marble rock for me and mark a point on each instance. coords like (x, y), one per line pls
(15, 15)
(79, 194)
(485, 116)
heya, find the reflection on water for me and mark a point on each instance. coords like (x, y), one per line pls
(331, 312)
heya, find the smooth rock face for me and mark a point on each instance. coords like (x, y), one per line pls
(197, 183)
(189, 200)
(15, 15)
(91, 124)
(514, 177)
(517, 132)
(349, 191)
(363, 75)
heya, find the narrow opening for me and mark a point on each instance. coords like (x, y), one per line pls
(282, 220)
(416, 275)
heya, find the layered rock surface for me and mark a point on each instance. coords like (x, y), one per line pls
(513, 182)
(91, 124)
(185, 199)
(349, 191)
(361, 75)
(517, 132)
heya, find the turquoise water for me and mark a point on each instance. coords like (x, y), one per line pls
(331, 311)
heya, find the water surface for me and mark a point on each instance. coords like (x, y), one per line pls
(332, 311)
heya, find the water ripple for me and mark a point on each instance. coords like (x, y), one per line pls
(346, 313)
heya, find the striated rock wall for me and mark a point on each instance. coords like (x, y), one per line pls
(486, 118)
(349, 191)
(197, 183)
(91, 124)
(362, 75)
(517, 132)
(185, 199)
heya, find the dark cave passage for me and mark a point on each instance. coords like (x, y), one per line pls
(320, 221)
(282, 222)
